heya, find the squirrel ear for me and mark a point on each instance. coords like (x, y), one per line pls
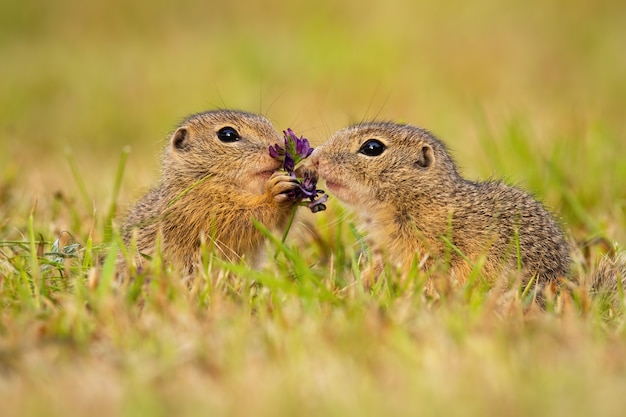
(425, 157)
(180, 139)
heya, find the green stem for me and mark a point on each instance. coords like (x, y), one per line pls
(289, 223)
(79, 180)
(39, 284)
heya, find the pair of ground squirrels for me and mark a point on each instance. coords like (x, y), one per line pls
(217, 178)
(406, 189)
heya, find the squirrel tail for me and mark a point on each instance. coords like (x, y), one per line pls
(609, 279)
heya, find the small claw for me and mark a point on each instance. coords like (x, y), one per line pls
(307, 169)
(281, 183)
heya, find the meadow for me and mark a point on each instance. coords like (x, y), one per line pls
(531, 92)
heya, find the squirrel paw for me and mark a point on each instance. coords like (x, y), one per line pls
(279, 185)
(307, 170)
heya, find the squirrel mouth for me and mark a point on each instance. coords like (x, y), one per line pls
(267, 173)
(333, 186)
(267, 170)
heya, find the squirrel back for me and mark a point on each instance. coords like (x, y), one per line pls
(405, 186)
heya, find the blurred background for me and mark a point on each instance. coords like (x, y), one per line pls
(533, 92)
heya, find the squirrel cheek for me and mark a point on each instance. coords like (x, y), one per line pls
(342, 192)
(257, 184)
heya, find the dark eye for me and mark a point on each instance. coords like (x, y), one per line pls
(228, 134)
(372, 147)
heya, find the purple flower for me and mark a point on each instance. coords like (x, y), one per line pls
(307, 187)
(295, 150)
(300, 145)
(277, 152)
(298, 148)
(318, 205)
(288, 163)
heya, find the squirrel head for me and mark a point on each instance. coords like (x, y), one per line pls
(382, 165)
(231, 147)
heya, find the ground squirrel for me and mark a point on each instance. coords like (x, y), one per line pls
(216, 177)
(405, 186)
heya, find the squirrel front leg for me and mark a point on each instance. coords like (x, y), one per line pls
(236, 213)
(272, 208)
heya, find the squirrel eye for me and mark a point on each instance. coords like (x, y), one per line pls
(372, 147)
(228, 134)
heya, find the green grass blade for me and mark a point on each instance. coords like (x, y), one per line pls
(119, 175)
(82, 188)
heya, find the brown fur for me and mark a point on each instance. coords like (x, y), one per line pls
(213, 190)
(608, 277)
(411, 196)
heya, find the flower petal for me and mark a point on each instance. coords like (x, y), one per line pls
(276, 151)
(288, 163)
(304, 148)
(318, 205)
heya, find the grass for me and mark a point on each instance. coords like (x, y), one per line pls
(530, 92)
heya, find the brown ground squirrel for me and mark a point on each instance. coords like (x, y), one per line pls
(405, 186)
(216, 177)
